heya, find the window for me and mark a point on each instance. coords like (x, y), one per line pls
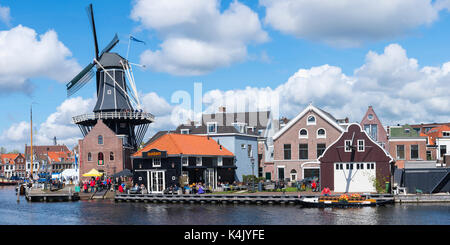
(240, 127)
(287, 151)
(303, 151)
(212, 127)
(303, 133)
(311, 120)
(100, 140)
(370, 116)
(219, 161)
(372, 131)
(407, 130)
(348, 144)
(185, 131)
(401, 152)
(293, 175)
(443, 150)
(156, 162)
(242, 146)
(320, 149)
(100, 159)
(414, 151)
(446, 134)
(360, 145)
(429, 155)
(321, 133)
(111, 156)
(198, 161)
(249, 151)
(89, 157)
(185, 161)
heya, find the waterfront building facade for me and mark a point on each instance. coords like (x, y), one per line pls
(439, 140)
(355, 163)
(40, 157)
(103, 150)
(299, 144)
(374, 128)
(13, 164)
(59, 161)
(180, 159)
(406, 146)
(245, 134)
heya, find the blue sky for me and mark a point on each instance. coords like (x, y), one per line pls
(265, 50)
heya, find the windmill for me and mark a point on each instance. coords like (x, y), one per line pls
(118, 103)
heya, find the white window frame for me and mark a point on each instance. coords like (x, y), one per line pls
(311, 123)
(361, 145)
(321, 136)
(215, 127)
(303, 136)
(219, 161)
(198, 161)
(345, 146)
(242, 127)
(182, 161)
(156, 165)
(445, 132)
(185, 131)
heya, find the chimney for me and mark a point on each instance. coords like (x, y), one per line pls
(222, 109)
(346, 120)
(54, 140)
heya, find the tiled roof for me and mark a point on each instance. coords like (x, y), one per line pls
(435, 133)
(56, 156)
(186, 144)
(10, 156)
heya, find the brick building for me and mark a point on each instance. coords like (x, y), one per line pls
(12, 164)
(103, 150)
(374, 128)
(298, 144)
(407, 146)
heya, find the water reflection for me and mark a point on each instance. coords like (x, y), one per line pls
(105, 212)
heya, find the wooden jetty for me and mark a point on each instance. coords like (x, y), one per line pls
(38, 195)
(423, 198)
(219, 198)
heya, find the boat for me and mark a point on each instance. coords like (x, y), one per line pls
(343, 201)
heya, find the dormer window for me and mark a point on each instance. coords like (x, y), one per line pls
(311, 120)
(100, 140)
(185, 131)
(212, 127)
(240, 127)
(303, 133)
(321, 133)
(446, 134)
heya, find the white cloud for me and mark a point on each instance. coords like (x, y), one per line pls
(5, 16)
(24, 55)
(196, 37)
(349, 23)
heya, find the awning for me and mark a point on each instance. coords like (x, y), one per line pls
(92, 173)
(123, 173)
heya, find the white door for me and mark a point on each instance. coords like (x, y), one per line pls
(210, 178)
(354, 177)
(157, 181)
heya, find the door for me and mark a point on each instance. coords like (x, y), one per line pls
(157, 181)
(210, 178)
(281, 174)
(354, 177)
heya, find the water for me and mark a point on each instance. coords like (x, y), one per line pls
(106, 212)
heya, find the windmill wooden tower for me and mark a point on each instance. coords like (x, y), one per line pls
(118, 104)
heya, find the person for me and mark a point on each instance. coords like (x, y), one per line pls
(326, 191)
(200, 189)
(92, 184)
(313, 185)
(85, 187)
(186, 189)
(143, 189)
(120, 188)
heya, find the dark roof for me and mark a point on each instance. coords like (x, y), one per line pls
(41, 150)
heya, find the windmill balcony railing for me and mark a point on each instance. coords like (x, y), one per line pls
(114, 115)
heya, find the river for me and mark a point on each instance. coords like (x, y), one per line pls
(106, 212)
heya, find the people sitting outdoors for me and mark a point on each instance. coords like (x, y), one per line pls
(326, 191)
(143, 189)
(200, 189)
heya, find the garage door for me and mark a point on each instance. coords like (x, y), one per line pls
(354, 177)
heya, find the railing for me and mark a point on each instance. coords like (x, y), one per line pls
(114, 115)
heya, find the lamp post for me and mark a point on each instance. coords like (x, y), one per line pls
(253, 174)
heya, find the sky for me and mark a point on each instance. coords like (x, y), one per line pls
(281, 55)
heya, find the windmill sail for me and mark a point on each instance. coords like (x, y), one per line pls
(80, 80)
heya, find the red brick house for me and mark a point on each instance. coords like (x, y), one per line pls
(13, 164)
(103, 150)
(353, 162)
(407, 146)
(301, 141)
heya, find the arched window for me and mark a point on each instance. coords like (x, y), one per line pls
(89, 156)
(303, 133)
(293, 175)
(111, 156)
(100, 159)
(321, 133)
(100, 140)
(311, 120)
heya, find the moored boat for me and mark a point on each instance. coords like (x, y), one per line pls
(355, 200)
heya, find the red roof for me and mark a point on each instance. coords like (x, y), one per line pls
(436, 133)
(10, 156)
(59, 156)
(186, 144)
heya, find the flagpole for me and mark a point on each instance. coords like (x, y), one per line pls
(129, 41)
